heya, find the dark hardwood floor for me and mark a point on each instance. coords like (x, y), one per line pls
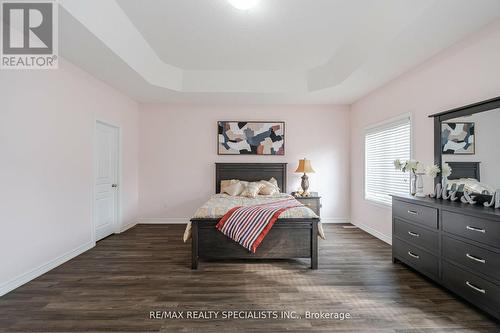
(114, 286)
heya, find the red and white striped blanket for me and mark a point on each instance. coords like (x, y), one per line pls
(248, 225)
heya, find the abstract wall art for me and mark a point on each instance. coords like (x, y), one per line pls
(458, 138)
(251, 138)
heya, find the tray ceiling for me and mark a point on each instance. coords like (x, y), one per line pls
(282, 51)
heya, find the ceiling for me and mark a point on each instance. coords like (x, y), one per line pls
(282, 51)
(213, 35)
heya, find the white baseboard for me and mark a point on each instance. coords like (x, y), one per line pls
(373, 232)
(335, 220)
(42, 269)
(126, 227)
(163, 220)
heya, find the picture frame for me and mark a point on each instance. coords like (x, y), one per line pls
(236, 137)
(458, 138)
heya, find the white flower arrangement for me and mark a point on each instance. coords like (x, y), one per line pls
(417, 167)
(398, 165)
(432, 171)
(418, 170)
(407, 166)
(446, 170)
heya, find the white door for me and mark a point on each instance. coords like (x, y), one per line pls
(106, 180)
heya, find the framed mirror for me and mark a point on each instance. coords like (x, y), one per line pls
(468, 140)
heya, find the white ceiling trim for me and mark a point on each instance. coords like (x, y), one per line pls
(386, 41)
(123, 38)
(245, 81)
(107, 21)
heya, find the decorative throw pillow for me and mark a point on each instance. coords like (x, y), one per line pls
(274, 182)
(234, 189)
(252, 189)
(226, 183)
(268, 188)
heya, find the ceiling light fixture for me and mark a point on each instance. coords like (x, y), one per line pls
(244, 4)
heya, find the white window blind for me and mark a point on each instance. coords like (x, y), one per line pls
(383, 145)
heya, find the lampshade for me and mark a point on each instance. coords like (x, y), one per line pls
(304, 166)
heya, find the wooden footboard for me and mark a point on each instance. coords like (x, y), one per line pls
(288, 239)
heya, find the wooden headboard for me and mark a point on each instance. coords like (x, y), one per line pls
(250, 172)
(465, 170)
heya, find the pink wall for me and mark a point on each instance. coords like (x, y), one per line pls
(178, 152)
(47, 121)
(468, 72)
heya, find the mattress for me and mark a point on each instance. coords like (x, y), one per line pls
(220, 204)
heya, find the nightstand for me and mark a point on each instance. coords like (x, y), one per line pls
(313, 201)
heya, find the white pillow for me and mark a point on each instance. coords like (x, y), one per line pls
(268, 188)
(234, 189)
(274, 182)
(226, 183)
(252, 189)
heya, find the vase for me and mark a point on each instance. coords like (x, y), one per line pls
(413, 180)
(419, 184)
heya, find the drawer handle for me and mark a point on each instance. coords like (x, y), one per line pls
(471, 257)
(475, 288)
(476, 229)
(411, 254)
(412, 212)
(414, 234)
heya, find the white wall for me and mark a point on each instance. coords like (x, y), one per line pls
(179, 149)
(465, 73)
(47, 121)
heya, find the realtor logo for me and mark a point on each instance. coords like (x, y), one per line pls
(29, 35)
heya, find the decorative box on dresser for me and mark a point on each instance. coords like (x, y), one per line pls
(313, 201)
(457, 245)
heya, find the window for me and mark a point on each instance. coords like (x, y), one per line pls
(384, 144)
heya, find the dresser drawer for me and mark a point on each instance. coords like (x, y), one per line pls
(475, 228)
(427, 216)
(419, 259)
(413, 234)
(472, 257)
(476, 290)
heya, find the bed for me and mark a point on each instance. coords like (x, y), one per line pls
(465, 170)
(290, 238)
(468, 175)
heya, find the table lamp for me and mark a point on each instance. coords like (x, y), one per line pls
(304, 167)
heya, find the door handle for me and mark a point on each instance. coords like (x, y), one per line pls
(114, 185)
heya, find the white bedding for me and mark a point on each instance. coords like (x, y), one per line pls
(220, 204)
(471, 185)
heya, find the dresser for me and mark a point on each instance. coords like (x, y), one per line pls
(313, 201)
(457, 245)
